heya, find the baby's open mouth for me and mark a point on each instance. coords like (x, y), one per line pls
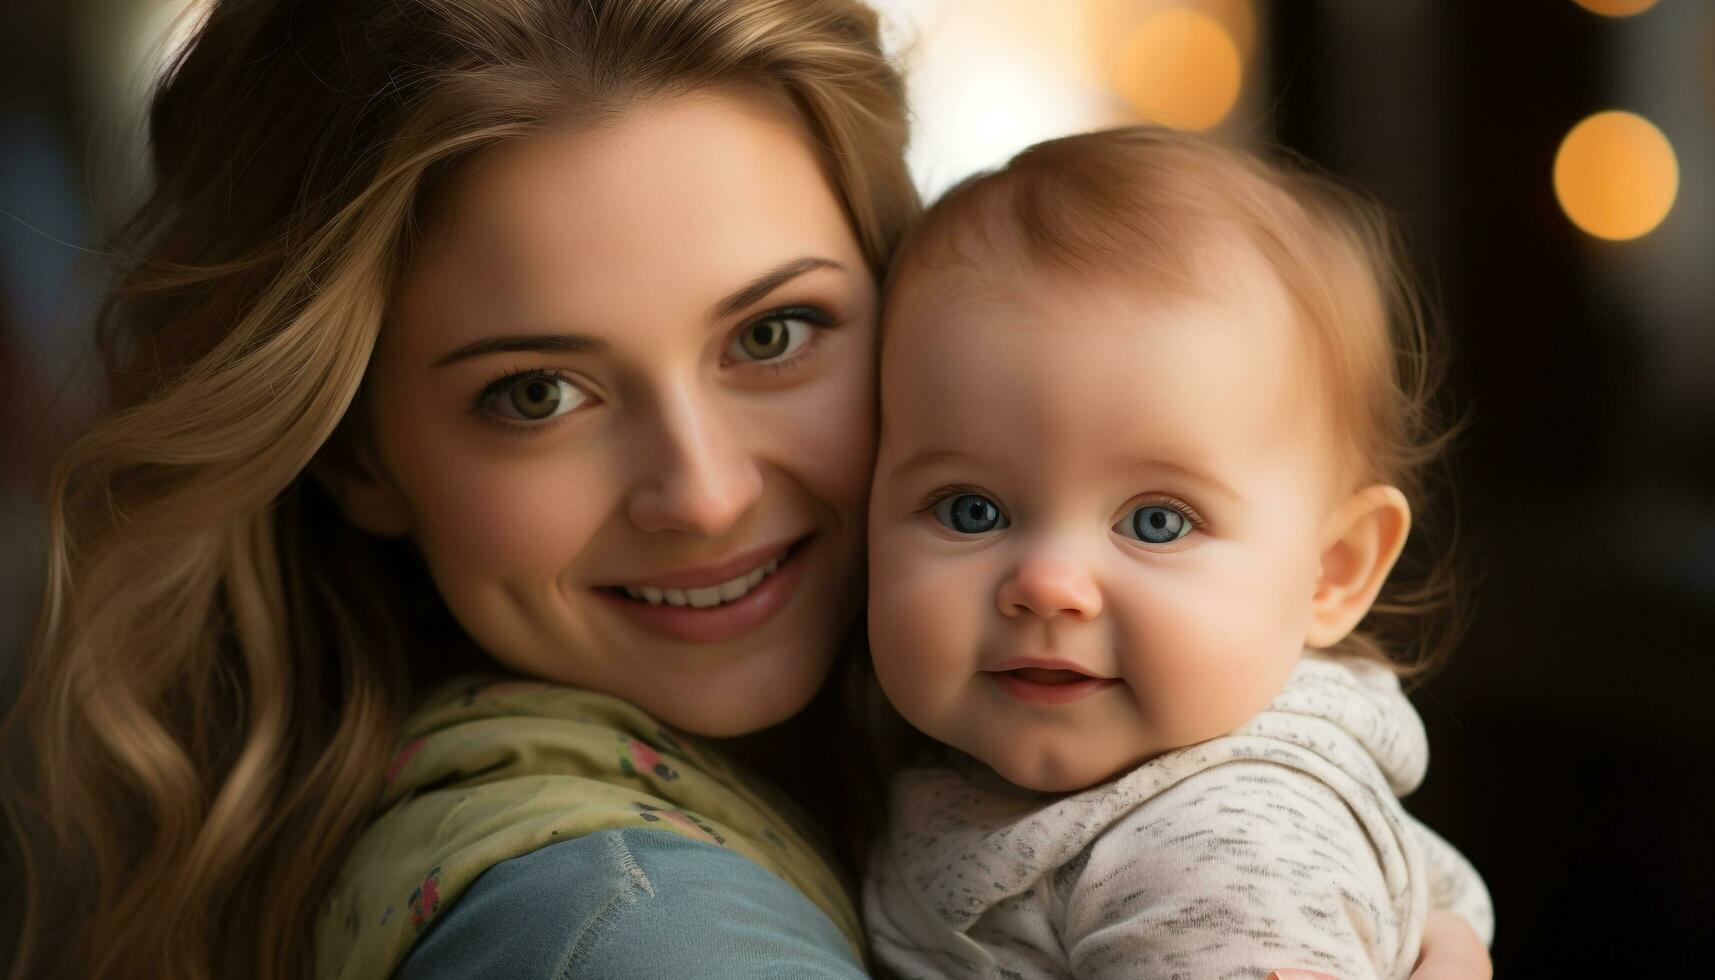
(1039, 675)
(1051, 685)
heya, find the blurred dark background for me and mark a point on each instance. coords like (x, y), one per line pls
(1571, 734)
(1572, 731)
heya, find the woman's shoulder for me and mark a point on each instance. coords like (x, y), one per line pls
(630, 902)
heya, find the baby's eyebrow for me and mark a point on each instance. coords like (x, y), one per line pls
(1191, 473)
(926, 459)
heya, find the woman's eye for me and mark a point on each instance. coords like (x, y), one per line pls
(772, 338)
(1154, 524)
(537, 397)
(970, 513)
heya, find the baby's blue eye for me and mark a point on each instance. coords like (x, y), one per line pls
(970, 513)
(1154, 524)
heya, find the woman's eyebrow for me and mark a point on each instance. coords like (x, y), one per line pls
(562, 343)
(767, 283)
(551, 343)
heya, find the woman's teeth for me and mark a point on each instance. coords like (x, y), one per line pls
(713, 595)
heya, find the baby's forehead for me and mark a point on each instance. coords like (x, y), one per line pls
(1221, 272)
(981, 254)
(948, 305)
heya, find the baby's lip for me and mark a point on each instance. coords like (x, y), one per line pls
(1044, 664)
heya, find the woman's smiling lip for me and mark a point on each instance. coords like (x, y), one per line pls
(703, 576)
(728, 620)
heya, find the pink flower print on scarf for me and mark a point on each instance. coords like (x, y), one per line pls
(654, 814)
(426, 900)
(405, 755)
(636, 757)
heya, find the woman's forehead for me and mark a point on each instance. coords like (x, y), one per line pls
(672, 204)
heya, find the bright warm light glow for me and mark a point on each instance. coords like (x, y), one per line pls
(1616, 8)
(1182, 68)
(1111, 22)
(1616, 175)
(1239, 18)
(989, 78)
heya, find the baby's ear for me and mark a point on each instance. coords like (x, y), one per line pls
(1361, 540)
(348, 471)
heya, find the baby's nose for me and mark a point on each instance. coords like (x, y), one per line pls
(1050, 587)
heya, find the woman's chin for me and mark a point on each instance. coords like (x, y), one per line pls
(731, 720)
(740, 698)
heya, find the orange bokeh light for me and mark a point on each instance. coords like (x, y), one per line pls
(1616, 175)
(1182, 68)
(1239, 18)
(1615, 8)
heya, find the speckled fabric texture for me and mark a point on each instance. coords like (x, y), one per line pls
(1283, 844)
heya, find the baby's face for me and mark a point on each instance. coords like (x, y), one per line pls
(1095, 519)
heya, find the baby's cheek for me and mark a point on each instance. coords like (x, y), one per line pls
(1210, 657)
(923, 622)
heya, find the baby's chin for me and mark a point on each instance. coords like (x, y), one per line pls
(1053, 769)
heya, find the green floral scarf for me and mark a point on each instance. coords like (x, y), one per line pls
(489, 769)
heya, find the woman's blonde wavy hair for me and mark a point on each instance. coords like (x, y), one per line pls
(221, 663)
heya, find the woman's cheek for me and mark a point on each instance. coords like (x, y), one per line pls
(520, 523)
(826, 436)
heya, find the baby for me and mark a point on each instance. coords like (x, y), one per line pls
(1148, 404)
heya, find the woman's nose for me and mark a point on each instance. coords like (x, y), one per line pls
(698, 476)
(1048, 587)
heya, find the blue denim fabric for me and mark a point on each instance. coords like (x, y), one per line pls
(631, 903)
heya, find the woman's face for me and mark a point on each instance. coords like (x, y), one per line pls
(624, 405)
